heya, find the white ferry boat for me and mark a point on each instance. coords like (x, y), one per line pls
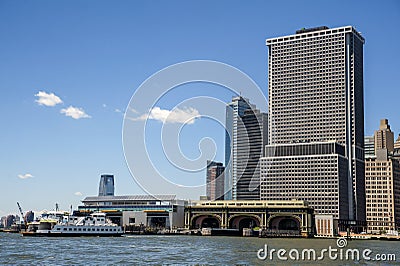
(96, 224)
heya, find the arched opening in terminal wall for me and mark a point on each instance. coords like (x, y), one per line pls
(206, 221)
(210, 222)
(290, 223)
(244, 221)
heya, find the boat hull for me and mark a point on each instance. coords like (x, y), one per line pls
(52, 234)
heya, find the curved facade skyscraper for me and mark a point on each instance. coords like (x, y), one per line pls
(246, 136)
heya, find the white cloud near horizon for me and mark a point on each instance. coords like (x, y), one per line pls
(132, 110)
(78, 193)
(75, 112)
(25, 176)
(47, 99)
(177, 115)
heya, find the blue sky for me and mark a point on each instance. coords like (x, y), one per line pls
(94, 54)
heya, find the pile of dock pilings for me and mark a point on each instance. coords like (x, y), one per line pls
(279, 233)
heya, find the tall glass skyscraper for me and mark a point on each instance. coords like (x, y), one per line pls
(106, 186)
(315, 97)
(246, 136)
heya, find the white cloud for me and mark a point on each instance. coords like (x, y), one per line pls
(25, 176)
(75, 112)
(78, 193)
(104, 105)
(177, 115)
(47, 99)
(132, 110)
(117, 110)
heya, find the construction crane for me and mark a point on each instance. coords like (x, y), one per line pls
(23, 216)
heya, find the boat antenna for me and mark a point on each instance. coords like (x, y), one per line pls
(56, 207)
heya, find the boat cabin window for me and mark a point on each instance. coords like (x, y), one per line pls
(69, 229)
(65, 229)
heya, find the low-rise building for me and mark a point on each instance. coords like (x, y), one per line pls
(154, 211)
(294, 217)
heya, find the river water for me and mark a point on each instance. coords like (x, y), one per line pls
(182, 250)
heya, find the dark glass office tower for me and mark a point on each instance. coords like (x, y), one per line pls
(106, 186)
(244, 145)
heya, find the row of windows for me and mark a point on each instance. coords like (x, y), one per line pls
(304, 39)
(377, 179)
(300, 66)
(285, 83)
(307, 60)
(306, 46)
(387, 223)
(327, 53)
(307, 67)
(304, 92)
(301, 40)
(317, 78)
(332, 88)
(374, 207)
(88, 229)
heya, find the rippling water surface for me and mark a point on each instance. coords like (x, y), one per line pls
(171, 250)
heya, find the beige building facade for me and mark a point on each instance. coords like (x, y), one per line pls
(384, 138)
(382, 185)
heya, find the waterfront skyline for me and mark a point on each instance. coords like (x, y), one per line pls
(68, 81)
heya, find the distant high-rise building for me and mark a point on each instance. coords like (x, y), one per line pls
(246, 137)
(106, 186)
(10, 219)
(382, 191)
(369, 146)
(215, 181)
(396, 146)
(316, 121)
(382, 183)
(29, 216)
(234, 112)
(252, 138)
(382, 187)
(3, 221)
(384, 138)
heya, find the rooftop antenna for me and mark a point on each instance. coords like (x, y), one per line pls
(56, 207)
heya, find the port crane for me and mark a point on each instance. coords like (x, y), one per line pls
(22, 215)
